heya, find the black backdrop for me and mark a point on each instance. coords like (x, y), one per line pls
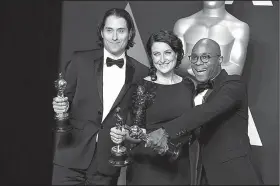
(32, 34)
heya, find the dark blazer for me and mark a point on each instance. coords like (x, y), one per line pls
(223, 119)
(84, 76)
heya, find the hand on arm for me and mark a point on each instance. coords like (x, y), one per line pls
(118, 136)
(158, 141)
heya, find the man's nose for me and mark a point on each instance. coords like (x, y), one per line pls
(115, 36)
(199, 62)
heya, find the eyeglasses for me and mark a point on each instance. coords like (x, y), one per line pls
(203, 58)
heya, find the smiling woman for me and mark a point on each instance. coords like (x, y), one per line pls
(165, 51)
(164, 57)
(170, 96)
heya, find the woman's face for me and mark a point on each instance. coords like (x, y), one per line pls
(164, 58)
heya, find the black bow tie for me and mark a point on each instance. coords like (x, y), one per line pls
(110, 62)
(203, 86)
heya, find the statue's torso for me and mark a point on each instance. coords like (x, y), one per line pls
(218, 29)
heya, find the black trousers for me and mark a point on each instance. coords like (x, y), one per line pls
(90, 176)
(203, 180)
(237, 171)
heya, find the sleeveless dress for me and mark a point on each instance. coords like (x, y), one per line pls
(149, 168)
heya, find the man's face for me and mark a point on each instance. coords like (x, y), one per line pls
(115, 35)
(203, 70)
(213, 4)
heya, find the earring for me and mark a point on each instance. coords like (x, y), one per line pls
(153, 74)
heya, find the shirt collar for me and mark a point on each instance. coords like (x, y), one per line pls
(108, 54)
(217, 80)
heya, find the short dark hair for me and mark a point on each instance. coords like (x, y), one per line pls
(118, 12)
(169, 38)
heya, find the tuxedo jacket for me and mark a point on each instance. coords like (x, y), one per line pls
(84, 75)
(223, 119)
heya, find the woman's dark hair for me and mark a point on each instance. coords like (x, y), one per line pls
(169, 38)
(122, 14)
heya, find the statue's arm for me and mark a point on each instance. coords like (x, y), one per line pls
(239, 49)
(179, 30)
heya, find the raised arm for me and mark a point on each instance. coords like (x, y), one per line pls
(239, 49)
(179, 30)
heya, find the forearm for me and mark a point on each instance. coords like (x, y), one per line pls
(132, 140)
(238, 53)
(226, 101)
(175, 127)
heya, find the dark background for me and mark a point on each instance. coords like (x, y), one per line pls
(38, 40)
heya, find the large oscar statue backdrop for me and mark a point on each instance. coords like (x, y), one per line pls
(247, 31)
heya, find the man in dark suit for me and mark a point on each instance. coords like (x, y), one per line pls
(221, 114)
(98, 81)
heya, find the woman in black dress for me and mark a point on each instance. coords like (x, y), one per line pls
(170, 95)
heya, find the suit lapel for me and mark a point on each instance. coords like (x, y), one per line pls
(130, 69)
(98, 69)
(217, 82)
(207, 95)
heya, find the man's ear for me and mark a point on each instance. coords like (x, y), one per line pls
(130, 34)
(221, 58)
(101, 32)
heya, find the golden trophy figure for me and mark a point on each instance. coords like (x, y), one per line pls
(119, 156)
(62, 124)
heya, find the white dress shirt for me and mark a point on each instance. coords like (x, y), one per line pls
(113, 81)
(198, 100)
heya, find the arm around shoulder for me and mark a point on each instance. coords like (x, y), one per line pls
(227, 99)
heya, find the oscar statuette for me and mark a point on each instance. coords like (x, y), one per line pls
(142, 99)
(62, 124)
(119, 155)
